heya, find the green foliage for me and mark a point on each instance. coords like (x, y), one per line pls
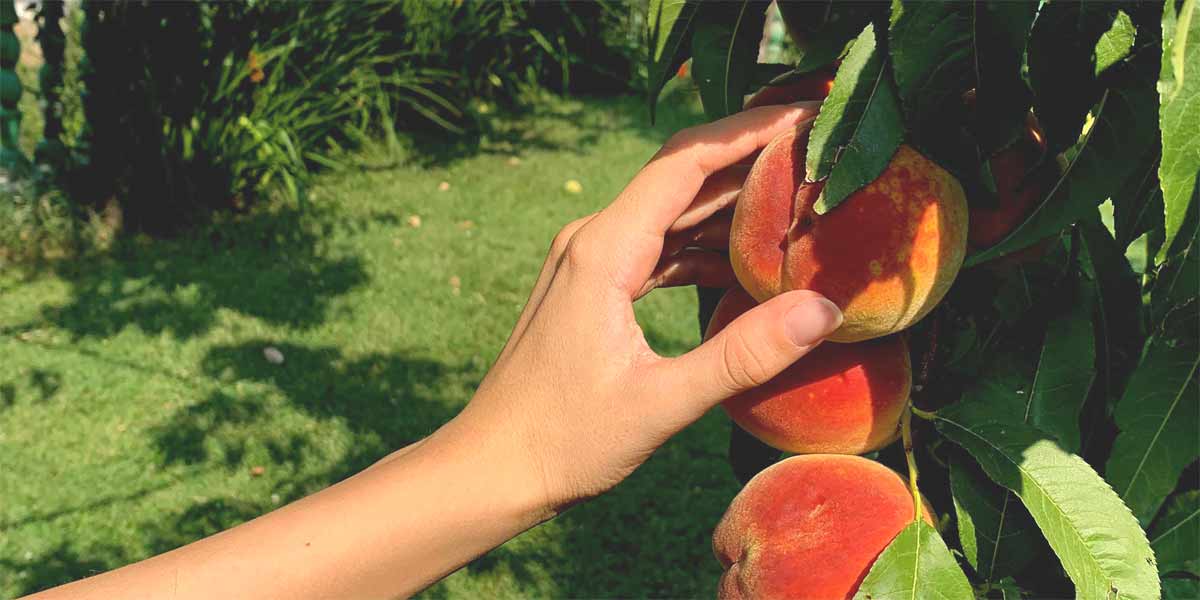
(825, 27)
(1096, 165)
(1100, 544)
(1176, 535)
(1062, 67)
(669, 39)
(997, 536)
(1179, 90)
(1158, 416)
(858, 129)
(726, 37)
(916, 564)
(1065, 372)
(1000, 32)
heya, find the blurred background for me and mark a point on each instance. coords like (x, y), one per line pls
(247, 248)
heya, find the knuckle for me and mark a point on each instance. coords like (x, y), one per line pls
(743, 366)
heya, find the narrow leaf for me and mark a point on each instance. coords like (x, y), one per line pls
(1065, 372)
(859, 127)
(1179, 88)
(997, 535)
(1137, 206)
(1179, 277)
(669, 37)
(1098, 164)
(1116, 43)
(724, 52)
(1100, 545)
(1118, 308)
(1062, 67)
(916, 564)
(1176, 536)
(1158, 417)
(1002, 98)
(932, 55)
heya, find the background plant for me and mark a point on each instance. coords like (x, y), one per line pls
(1057, 400)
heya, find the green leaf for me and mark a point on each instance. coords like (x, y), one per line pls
(1176, 536)
(1116, 43)
(1180, 589)
(1065, 372)
(1002, 99)
(822, 28)
(859, 127)
(1118, 304)
(1098, 164)
(997, 535)
(1100, 545)
(669, 36)
(932, 54)
(1158, 417)
(1179, 90)
(1137, 206)
(916, 564)
(1179, 276)
(1062, 67)
(724, 52)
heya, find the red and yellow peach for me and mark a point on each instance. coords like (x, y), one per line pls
(840, 398)
(886, 255)
(810, 527)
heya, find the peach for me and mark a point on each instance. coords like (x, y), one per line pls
(886, 255)
(839, 399)
(810, 86)
(810, 527)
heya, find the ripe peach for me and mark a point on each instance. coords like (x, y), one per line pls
(810, 527)
(839, 399)
(886, 255)
(810, 86)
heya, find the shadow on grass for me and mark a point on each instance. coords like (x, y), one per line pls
(272, 265)
(386, 401)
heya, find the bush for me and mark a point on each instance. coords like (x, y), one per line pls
(194, 107)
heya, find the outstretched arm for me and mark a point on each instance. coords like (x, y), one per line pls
(575, 402)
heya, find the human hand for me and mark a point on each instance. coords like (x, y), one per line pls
(577, 398)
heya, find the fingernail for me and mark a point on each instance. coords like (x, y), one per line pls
(808, 322)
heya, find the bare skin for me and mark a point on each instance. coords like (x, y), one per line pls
(574, 403)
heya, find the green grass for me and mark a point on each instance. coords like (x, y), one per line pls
(135, 400)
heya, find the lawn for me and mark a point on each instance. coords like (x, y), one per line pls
(138, 410)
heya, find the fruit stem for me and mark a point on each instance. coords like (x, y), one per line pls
(906, 436)
(928, 415)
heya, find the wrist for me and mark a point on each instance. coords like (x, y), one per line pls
(488, 460)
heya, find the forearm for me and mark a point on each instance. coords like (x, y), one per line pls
(386, 532)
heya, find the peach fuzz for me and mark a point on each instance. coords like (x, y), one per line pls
(839, 399)
(886, 255)
(810, 527)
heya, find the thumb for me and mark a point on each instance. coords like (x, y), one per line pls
(747, 353)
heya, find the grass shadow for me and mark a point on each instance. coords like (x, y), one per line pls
(276, 266)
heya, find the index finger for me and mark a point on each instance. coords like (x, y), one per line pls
(665, 187)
